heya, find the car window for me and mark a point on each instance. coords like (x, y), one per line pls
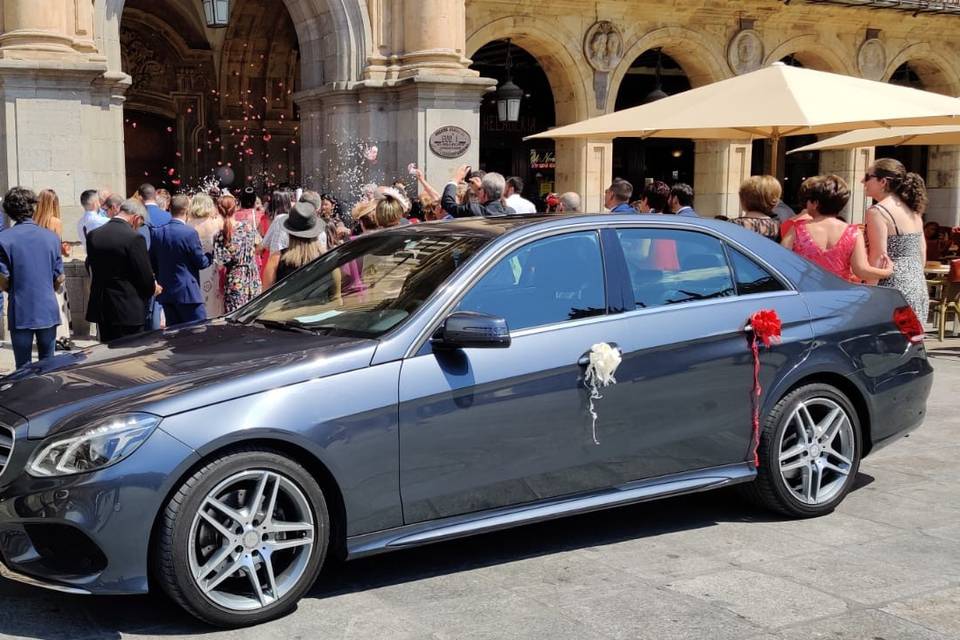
(750, 276)
(669, 266)
(546, 281)
(365, 287)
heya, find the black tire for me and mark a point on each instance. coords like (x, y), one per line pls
(770, 489)
(172, 567)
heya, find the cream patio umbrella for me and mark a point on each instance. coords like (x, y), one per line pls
(772, 102)
(888, 136)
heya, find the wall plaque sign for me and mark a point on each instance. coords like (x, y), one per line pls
(450, 142)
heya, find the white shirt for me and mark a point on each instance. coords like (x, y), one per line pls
(520, 204)
(89, 221)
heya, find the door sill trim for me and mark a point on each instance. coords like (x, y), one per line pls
(485, 521)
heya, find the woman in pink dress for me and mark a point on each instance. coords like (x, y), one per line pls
(827, 240)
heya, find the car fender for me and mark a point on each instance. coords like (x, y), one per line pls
(347, 422)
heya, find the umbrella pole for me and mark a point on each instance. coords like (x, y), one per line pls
(774, 154)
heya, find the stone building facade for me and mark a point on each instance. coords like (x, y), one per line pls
(297, 85)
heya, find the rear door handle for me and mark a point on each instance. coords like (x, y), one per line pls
(584, 360)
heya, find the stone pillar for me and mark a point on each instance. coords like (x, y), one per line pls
(62, 120)
(586, 167)
(850, 164)
(47, 29)
(943, 185)
(427, 86)
(433, 38)
(719, 168)
(339, 125)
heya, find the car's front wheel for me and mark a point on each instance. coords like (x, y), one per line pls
(810, 449)
(243, 538)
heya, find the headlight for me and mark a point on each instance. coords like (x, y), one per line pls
(104, 443)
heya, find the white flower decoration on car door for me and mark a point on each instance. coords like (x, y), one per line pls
(604, 360)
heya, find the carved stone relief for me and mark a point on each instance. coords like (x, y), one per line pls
(745, 52)
(872, 59)
(603, 49)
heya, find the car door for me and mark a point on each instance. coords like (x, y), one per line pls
(682, 400)
(486, 428)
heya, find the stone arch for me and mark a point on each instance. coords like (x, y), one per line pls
(150, 89)
(936, 71)
(691, 50)
(814, 53)
(334, 36)
(564, 69)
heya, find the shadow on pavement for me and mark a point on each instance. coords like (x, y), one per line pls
(34, 613)
(943, 352)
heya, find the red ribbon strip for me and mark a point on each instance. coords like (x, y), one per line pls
(766, 328)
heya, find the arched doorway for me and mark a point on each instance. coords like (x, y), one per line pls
(259, 123)
(914, 158)
(201, 100)
(667, 159)
(151, 149)
(502, 148)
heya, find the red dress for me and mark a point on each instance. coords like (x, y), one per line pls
(836, 259)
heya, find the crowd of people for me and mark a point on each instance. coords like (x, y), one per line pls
(157, 259)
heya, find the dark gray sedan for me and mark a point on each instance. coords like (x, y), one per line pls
(428, 382)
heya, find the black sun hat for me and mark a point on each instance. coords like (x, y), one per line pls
(302, 221)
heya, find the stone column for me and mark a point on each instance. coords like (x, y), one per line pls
(719, 168)
(428, 87)
(943, 185)
(586, 167)
(62, 120)
(46, 29)
(433, 38)
(339, 126)
(850, 164)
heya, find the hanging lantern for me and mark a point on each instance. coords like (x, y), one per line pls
(658, 93)
(217, 13)
(509, 95)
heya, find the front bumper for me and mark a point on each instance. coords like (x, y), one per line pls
(10, 574)
(88, 533)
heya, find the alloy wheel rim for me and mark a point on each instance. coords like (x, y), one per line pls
(251, 540)
(816, 451)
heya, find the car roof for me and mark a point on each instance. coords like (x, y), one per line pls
(496, 226)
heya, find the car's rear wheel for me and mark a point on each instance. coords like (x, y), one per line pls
(810, 450)
(243, 538)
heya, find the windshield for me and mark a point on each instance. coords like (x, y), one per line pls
(365, 287)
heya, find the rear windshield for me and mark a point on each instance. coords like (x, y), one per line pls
(365, 287)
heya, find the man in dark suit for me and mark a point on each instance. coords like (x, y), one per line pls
(489, 193)
(122, 280)
(177, 258)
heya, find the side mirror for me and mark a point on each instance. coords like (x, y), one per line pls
(469, 329)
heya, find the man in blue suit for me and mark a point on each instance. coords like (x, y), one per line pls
(177, 258)
(156, 218)
(617, 197)
(681, 200)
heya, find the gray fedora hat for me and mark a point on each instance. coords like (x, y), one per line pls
(302, 221)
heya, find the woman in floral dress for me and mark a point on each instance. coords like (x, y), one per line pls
(235, 249)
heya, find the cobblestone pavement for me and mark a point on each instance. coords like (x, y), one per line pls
(884, 565)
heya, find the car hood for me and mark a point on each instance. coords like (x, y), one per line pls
(173, 371)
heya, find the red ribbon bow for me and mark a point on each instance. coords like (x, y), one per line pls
(766, 327)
